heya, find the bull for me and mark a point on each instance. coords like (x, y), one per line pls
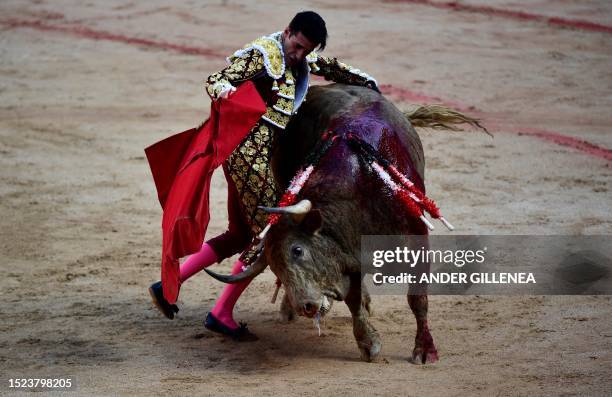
(314, 249)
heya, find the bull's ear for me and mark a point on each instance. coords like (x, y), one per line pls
(312, 222)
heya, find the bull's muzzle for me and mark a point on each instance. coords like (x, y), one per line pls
(310, 308)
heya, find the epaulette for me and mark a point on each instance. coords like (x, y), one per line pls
(272, 52)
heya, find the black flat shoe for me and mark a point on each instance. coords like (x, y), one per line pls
(240, 334)
(157, 295)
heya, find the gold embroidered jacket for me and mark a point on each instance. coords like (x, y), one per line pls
(263, 62)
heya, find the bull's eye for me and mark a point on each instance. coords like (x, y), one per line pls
(297, 252)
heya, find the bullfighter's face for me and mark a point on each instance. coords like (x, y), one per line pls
(296, 46)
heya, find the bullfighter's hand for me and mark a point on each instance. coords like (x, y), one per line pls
(225, 94)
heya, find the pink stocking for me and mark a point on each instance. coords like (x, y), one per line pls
(198, 261)
(225, 304)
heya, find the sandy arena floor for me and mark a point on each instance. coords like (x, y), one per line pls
(85, 86)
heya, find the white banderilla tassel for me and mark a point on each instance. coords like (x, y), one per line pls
(447, 224)
(263, 233)
(426, 222)
(384, 175)
(300, 180)
(409, 183)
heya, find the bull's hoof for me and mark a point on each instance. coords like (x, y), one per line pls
(424, 348)
(424, 355)
(370, 351)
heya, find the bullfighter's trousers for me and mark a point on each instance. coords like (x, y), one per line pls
(238, 234)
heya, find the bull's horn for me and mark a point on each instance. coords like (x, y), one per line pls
(249, 272)
(301, 208)
(297, 211)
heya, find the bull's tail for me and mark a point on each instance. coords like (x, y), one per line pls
(440, 117)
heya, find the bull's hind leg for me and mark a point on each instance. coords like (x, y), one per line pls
(366, 335)
(424, 349)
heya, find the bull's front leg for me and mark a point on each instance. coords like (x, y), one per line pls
(287, 313)
(366, 335)
(424, 349)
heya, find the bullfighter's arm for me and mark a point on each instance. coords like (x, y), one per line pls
(241, 69)
(339, 72)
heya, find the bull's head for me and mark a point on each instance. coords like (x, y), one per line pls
(303, 258)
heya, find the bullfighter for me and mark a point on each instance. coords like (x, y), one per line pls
(278, 65)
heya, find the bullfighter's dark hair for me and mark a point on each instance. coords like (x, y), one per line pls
(311, 25)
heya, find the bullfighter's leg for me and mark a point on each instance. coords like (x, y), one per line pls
(221, 317)
(424, 349)
(195, 263)
(234, 240)
(366, 335)
(198, 261)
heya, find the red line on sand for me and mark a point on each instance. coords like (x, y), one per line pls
(399, 93)
(88, 33)
(505, 13)
(565, 140)
(406, 95)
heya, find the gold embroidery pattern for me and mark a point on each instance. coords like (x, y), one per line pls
(273, 57)
(249, 167)
(286, 105)
(249, 255)
(314, 68)
(339, 72)
(276, 118)
(241, 69)
(312, 57)
(286, 89)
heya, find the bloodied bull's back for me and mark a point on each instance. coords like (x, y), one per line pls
(359, 200)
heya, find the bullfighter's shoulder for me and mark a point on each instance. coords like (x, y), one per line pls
(272, 52)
